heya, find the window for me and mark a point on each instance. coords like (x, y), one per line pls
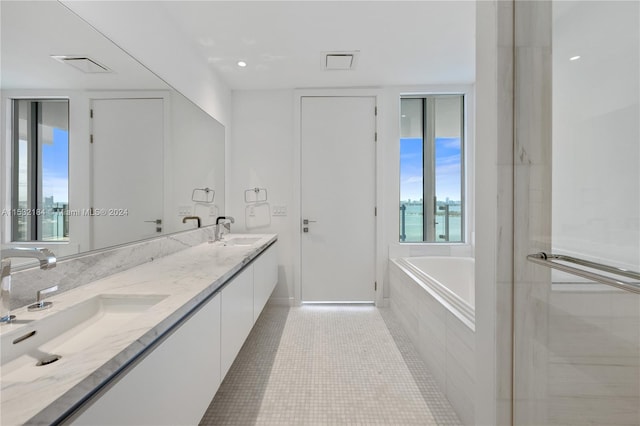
(431, 168)
(40, 181)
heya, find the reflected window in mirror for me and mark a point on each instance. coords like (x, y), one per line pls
(40, 178)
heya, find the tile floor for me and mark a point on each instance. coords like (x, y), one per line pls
(328, 365)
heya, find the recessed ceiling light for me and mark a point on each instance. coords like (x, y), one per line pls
(242, 64)
(574, 58)
(404, 115)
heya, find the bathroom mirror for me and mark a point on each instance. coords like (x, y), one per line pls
(139, 156)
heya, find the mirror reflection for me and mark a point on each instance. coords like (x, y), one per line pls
(98, 150)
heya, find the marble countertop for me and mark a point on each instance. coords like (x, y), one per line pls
(187, 278)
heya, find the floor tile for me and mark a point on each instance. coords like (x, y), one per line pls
(328, 365)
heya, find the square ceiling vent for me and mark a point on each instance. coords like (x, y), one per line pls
(82, 63)
(339, 61)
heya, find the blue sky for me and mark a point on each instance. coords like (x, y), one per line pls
(55, 167)
(447, 168)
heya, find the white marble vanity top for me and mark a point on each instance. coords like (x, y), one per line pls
(43, 395)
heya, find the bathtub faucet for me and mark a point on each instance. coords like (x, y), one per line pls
(47, 261)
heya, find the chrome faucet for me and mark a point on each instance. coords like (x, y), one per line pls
(220, 227)
(47, 261)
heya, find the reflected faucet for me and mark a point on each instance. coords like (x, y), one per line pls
(186, 218)
(47, 261)
(220, 227)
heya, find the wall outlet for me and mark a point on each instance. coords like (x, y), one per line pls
(279, 211)
(184, 211)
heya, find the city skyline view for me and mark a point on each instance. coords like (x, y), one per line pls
(55, 167)
(448, 169)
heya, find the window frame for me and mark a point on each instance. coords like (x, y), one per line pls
(34, 171)
(429, 167)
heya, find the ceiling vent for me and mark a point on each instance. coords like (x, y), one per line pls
(82, 63)
(339, 61)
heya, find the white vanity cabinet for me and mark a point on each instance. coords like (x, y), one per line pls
(243, 299)
(265, 278)
(237, 316)
(175, 383)
(172, 385)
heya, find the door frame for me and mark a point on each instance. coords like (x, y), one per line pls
(297, 186)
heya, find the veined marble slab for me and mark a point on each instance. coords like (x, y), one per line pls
(84, 268)
(187, 278)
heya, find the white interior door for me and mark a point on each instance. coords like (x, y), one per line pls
(127, 169)
(338, 199)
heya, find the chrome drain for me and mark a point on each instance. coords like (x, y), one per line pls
(50, 359)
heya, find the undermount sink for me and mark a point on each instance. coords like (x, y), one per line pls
(241, 241)
(71, 330)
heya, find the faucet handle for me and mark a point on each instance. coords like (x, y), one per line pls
(45, 291)
(40, 305)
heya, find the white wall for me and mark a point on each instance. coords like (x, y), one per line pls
(262, 155)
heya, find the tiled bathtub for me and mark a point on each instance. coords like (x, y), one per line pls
(434, 299)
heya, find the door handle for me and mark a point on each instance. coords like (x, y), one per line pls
(306, 223)
(158, 223)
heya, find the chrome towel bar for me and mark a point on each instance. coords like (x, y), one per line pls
(551, 261)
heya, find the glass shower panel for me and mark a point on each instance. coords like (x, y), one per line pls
(577, 180)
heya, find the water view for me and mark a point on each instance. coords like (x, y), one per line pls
(414, 219)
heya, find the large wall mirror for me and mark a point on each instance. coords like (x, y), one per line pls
(97, 151)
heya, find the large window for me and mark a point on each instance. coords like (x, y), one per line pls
(431, 168)
(40, 181)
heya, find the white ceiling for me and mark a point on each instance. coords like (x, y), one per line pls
(400, 43)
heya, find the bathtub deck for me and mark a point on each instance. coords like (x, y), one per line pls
(328, 365)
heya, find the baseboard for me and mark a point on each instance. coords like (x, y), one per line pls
(281, 301)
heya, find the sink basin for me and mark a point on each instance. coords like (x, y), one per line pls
(71, 330)
(241, 241)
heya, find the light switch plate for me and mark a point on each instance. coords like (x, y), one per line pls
(184, 210)
(279, 211)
